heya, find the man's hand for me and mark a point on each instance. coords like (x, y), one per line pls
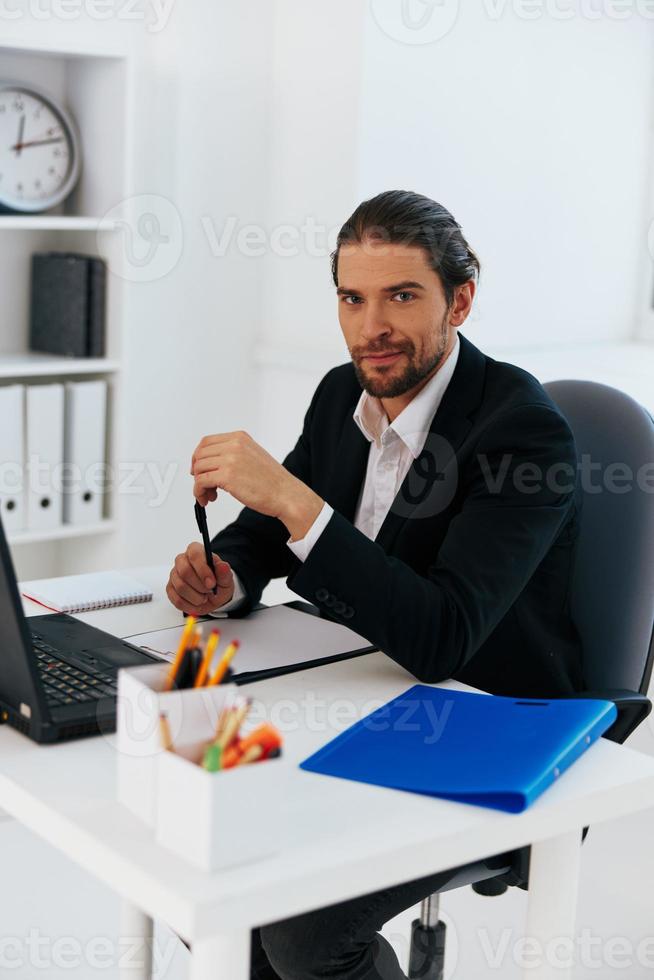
(191, 582)
(234, 462)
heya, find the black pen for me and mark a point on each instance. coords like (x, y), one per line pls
(201, 518)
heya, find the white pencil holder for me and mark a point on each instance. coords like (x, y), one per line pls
(192, 715)
(217, 820)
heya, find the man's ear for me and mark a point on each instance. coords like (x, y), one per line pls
(462, 302)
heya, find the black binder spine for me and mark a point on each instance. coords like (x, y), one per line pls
(96, 306)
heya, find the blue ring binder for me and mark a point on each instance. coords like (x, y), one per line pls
(472, 748)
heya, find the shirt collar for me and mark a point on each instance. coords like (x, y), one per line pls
(413, 422)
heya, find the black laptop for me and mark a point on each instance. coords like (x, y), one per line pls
(58, 676)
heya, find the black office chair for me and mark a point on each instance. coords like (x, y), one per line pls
(612, 604)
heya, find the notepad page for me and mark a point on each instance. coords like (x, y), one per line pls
(81, 593)
(274, 638)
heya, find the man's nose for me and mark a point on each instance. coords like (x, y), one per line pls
(374, 323)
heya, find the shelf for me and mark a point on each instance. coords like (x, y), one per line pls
(54, 222)
(44, 48)
(60, 533)
(29, 364)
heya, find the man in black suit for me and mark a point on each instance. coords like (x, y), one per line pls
(431, 503)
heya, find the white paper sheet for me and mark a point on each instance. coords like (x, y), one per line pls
(270, 639)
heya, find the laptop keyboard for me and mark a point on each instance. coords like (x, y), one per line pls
(65, 683)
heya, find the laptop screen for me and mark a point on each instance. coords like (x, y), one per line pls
(17, 668)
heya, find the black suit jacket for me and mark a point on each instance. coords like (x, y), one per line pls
(469, 576)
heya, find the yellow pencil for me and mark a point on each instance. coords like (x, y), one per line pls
(230, 730)
(210, 649)
(253, 754)
(233, 724)
(222, 720)
(164, 731)
(225, 661)
(243, 711)
(179, 656)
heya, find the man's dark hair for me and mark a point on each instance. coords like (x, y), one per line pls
(406, 218)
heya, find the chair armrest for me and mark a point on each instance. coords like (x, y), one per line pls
(633, 709)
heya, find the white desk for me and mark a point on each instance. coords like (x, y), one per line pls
(347, 839)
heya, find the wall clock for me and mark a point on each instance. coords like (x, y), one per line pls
(40, 158)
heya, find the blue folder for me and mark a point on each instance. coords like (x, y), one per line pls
(473, 748)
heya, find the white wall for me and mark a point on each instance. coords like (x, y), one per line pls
(201, 127)
(535, 134)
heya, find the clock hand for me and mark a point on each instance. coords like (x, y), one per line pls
(21, 146)
(21, 130)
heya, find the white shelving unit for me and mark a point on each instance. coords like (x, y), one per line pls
(29, 364)
(63, 533)
(95, 85)
(54, 222)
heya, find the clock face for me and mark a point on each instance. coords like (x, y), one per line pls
(39, 156)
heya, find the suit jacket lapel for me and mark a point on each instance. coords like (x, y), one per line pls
(431, 481)
(350, 469)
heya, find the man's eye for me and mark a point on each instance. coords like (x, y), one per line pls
(404, 296)
(352, 300)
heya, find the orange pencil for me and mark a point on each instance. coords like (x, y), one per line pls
(226, 660)
(265, 735)
(179, 656)
(264, 739)
(212, 643)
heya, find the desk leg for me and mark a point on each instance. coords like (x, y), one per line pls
(552, 907)
(222, 957)
(136, 943)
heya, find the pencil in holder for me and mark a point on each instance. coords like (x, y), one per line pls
(190, 714)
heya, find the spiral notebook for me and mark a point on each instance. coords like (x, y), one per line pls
(81, 593)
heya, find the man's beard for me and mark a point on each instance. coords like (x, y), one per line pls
(394, 384)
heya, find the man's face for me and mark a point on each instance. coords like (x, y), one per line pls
(394, 315)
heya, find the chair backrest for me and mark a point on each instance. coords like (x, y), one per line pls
(613, 585)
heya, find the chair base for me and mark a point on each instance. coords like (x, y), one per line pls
(427, 956)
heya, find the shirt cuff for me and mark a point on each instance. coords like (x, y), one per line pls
(235, 601)
(303, 546)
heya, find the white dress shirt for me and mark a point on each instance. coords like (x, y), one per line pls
(393, 448)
